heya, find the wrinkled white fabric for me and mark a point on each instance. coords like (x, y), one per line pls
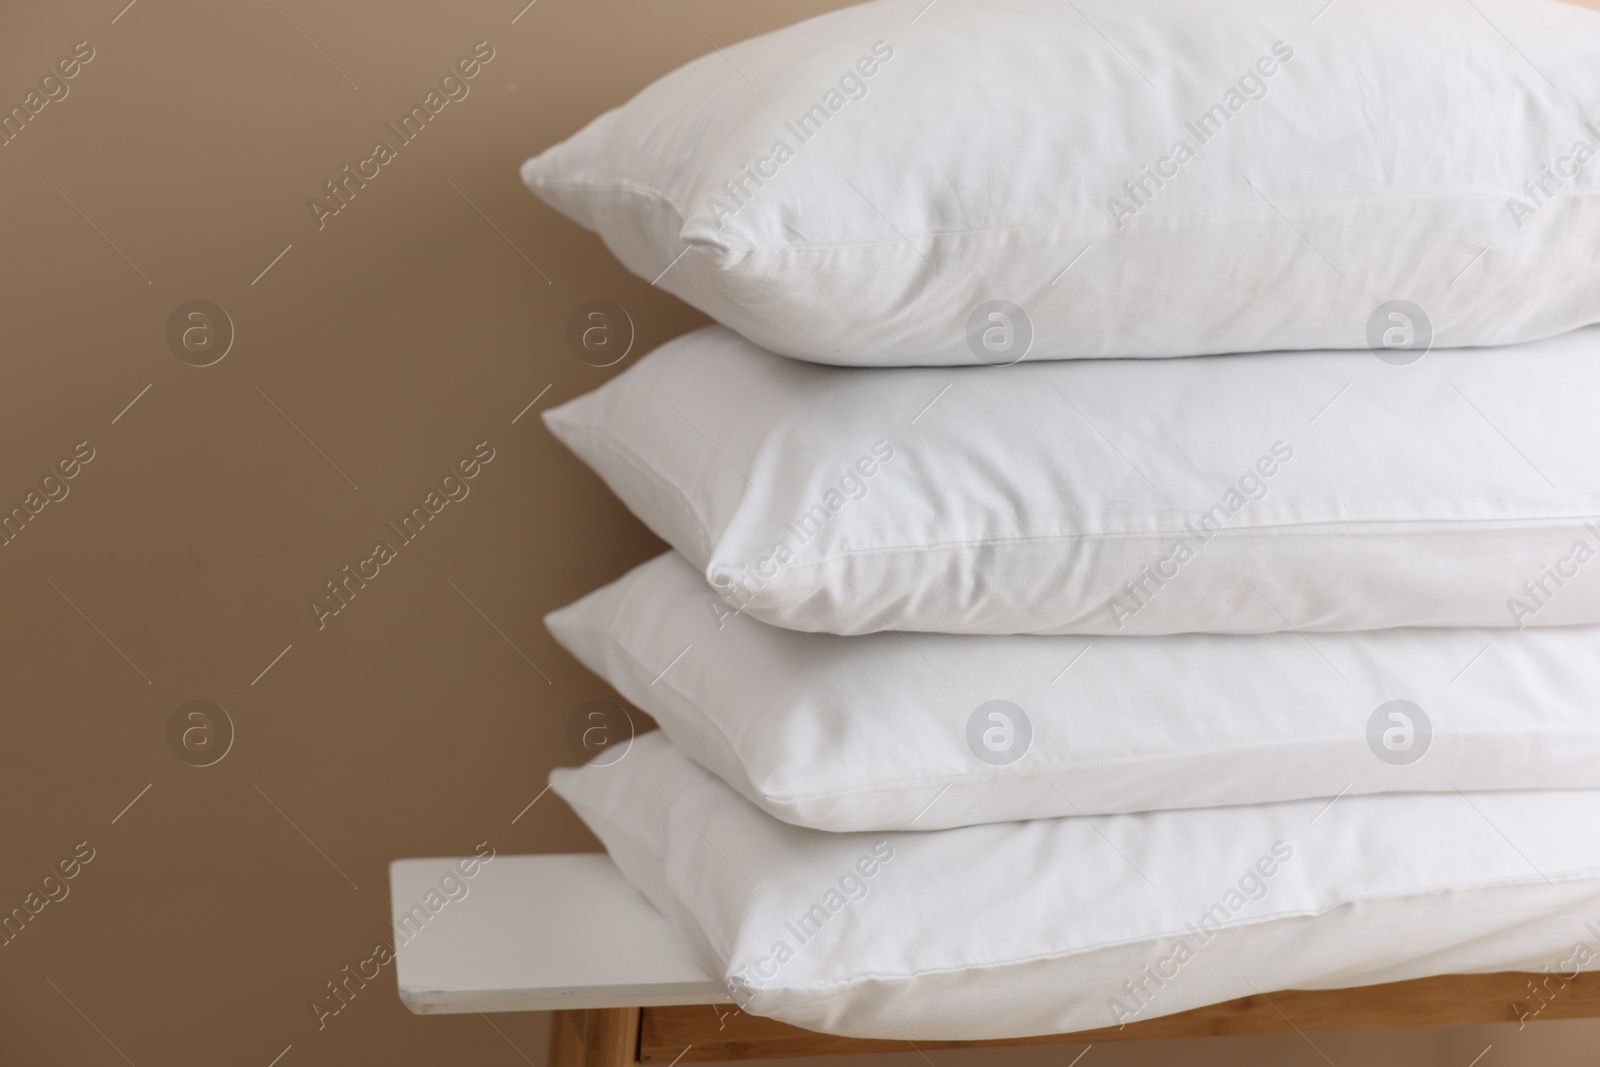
(1139, 177)
(1058, 925)
(1228, 494)
(884, 731)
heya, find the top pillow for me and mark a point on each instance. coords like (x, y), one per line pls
(907, 182)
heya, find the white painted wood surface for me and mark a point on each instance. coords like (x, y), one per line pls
(536, 933)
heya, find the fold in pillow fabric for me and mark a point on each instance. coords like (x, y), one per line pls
(1056, 925)
(1224, 494)
(988, 180)
(925, 731)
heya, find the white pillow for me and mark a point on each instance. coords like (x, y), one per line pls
(871, 186)
(1310, 491)
(1058, 925)
(928, 731)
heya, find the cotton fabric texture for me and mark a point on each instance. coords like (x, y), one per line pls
(1058, 925)
(1112, 178)
(892, 731)
(1258, 493)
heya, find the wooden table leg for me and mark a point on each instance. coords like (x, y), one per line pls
(594, 1037)
(564, 1049)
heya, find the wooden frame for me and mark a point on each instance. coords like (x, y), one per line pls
(594, 1036)
(710, 1033)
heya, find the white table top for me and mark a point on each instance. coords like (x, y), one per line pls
(537, 933)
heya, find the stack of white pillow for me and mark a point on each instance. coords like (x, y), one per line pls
(1015, 689)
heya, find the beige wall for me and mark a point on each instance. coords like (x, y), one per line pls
(369, 359)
